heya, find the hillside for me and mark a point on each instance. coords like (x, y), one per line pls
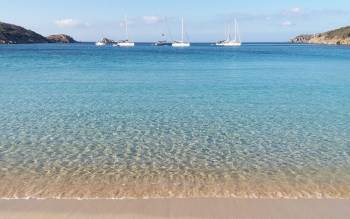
(339, 36)
(13, 34)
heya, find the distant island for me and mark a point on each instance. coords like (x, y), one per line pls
(339, 36)
(13, 34)
(60, 38)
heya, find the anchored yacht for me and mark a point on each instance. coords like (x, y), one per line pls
(163, 43)
(100, 43)
(229, 41)
(127, 42)
(181, 43)
(165, 36)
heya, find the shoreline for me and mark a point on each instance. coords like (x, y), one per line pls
(167, 198)
(175, 208)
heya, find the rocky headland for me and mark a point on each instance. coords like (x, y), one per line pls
(339, 36)
(13, 34)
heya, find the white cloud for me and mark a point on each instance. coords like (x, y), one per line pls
(151, 19)
(293, 12)
(70, 23)
(287, 23)
(296, 10)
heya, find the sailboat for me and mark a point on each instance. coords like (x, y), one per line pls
(126, 42)
(100, 43)
(181, 43)
(229, 41)
(164, 41)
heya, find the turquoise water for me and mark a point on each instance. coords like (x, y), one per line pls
(261, 120)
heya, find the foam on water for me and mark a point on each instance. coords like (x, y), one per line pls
(262, 120)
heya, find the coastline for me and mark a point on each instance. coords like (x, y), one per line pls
(82, 142)
(176, 208)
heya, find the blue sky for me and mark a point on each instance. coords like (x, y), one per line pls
(89, 20)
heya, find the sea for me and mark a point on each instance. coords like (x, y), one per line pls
(264, 120)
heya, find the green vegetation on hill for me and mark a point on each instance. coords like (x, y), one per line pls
(343, 32)
(339, 36)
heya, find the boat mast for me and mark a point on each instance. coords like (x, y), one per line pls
(229, 32)
(226, 33)
(126, 27)
(235, 30)
(238, 33)
(182, 29)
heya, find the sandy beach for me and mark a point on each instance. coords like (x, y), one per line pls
(175, 208)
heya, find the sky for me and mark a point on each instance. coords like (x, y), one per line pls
(259, 20)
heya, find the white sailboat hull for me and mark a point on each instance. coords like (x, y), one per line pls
(180, 44)
(124, 44)
(127, 42)
(229, 43)
(100, 44)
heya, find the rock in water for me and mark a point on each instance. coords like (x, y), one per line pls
(61, 38)
(301, 39)
(107, 41)
(12, 34)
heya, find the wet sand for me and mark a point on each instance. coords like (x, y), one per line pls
(176, 208)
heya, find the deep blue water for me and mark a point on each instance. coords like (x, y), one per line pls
(261, 120)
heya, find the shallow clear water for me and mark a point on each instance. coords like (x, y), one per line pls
(262, 120)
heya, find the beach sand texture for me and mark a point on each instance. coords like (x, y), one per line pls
(176, 208)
